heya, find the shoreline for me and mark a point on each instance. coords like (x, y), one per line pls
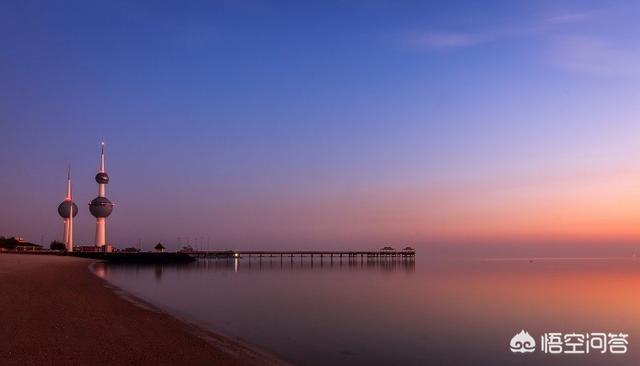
(56, 310)
(211, 336)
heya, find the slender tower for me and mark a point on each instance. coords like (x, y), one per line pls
(101, 207)
(68, 210)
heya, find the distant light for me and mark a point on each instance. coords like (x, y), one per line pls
(236, 255)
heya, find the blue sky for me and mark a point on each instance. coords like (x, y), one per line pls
(300, 123)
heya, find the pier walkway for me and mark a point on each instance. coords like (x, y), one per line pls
(379, 254)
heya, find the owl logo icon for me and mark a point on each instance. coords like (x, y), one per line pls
(522, 343)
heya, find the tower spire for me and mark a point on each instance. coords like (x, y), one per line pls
(68, 197)
(101, 170)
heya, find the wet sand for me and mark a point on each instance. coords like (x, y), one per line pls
(53, 311)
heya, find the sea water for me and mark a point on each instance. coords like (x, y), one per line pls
(402, 312)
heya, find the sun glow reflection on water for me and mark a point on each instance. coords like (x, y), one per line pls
(398, 312)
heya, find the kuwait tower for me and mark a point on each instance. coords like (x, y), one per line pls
(68, 210)
(101, 207)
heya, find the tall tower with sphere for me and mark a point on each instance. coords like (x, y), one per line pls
(68, 210)
(101, 207)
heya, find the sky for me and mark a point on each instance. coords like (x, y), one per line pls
(256, 124)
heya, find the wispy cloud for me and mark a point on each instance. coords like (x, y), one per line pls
(570, 17)
(433, 40)
(564, 45)
(594, 56)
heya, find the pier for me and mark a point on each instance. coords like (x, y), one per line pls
(312, 254)
(185, 256)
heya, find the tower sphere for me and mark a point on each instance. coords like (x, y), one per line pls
(102, 178)
(101, 207)
(65, 208)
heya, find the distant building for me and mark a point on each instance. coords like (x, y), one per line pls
(93, 249)
(17, 243)
(87, 249)
(24, 246)
(130, 250)
(387, 249)
(187, 249)
(159, 248)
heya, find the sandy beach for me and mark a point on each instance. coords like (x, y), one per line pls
(54, 311)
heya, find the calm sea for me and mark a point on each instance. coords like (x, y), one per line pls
(422, 312)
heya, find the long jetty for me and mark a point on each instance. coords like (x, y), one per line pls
(185, 256)
(378, 254)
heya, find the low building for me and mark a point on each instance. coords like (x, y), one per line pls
(24, 246)
(130, 250)
(187, 249)
(159, 248)
(86, 249)
(93, 249)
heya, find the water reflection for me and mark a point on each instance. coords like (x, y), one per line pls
(239, 265)
(398, 312)
(278, 264)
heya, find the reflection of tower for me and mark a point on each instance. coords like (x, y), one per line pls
(101, 207)
(68, 210)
